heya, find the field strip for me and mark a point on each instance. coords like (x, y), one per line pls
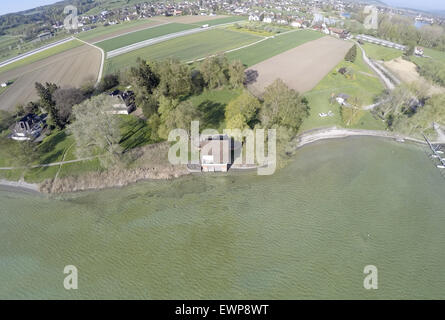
(153, 41)
(242, 47)
(102, 63)
(35, 51)
(130, 32)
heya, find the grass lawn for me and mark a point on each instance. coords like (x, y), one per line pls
(185, 48)
(273, 46)
(142, 35)
(377, 52)
(42, 55)
(104, 30)
(212, 103)
(135, 132)
(362, 85)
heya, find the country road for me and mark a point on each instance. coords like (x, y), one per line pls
(371, 64)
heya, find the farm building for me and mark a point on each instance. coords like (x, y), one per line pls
(28, 128)
(381, 42)
(215, 153)
(340, 33)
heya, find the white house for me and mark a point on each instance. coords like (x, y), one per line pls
(295, 24)
(254, 17)
(418, 51)
(268, 20)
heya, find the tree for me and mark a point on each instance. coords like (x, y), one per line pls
(246, 106)
(237, 74)
(176, 115)
(108, 82)
(282, 106)
(96, 130)
(144, 76)
(214, 71)
(47, 102)
(65, 99)
(174, 78)
(352, 54)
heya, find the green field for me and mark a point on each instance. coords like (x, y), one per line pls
(273, 46)
(364, 85)
(138, 36)
(184, 48)
(377, 52)
(104, 30)
(42, 55)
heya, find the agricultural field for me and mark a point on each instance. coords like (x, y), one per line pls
(41, 55)
(377, 52)
(273, 46)
(102, 32)
(142, 35)
(198, 20)
(361, 83)
(70, 68)
(301, 68)
(185, 48)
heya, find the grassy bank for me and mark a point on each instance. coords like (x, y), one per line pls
(377, 52)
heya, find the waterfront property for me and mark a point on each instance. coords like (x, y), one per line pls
(215, 153)
(124, 102)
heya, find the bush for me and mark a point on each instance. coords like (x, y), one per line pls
(352, 54)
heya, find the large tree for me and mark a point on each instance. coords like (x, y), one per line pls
(237, 74)
(245, 107)
(215, 71)
(174, 78)
(283, 107)
(65, 99)
(96, 130)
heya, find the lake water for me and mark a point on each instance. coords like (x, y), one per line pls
(305, 232)
(420, 24)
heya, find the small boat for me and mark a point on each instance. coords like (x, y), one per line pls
(439, 152)
(435, 156)
(441, 167)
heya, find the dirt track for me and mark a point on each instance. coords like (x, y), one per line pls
(300, 68)
(68, 69)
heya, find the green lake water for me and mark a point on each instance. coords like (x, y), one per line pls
(305, 232)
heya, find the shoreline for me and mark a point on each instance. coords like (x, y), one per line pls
(314, 135)
(305, 138)
(19, 185)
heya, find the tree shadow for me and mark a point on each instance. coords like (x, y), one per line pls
(213, 113)
(251, 76)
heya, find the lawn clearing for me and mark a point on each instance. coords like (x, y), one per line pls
(361, 85)
(273, 46)
(185, 48)
(377, 52)
(213, 104)
(138, 36)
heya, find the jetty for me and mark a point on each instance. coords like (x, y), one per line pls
(437, 153)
